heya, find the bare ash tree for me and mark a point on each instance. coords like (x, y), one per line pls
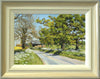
(24, 28)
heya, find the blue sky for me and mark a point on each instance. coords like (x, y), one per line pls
(37, 25)
(41, 16)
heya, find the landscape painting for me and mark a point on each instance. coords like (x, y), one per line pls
(49, 39)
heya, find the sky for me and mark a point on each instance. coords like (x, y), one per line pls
(41, 16)
(37, 25)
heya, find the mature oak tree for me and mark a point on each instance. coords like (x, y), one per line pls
(78, 29)
(65, 29)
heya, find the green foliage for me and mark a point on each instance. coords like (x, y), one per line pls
(30, 45)
(19, 50)
(48, 51)
(66, 29)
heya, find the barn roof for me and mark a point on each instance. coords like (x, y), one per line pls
(36, 42)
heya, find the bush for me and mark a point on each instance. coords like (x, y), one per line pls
(20, 50)
(57, 52)
(48, 51)
(39, 48)
(17, 48)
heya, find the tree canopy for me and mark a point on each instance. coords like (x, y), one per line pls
(65, 29)
(24, 28)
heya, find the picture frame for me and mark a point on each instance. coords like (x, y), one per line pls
(91, 67)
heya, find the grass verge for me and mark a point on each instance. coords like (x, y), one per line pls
(73, 55)
(27, 58)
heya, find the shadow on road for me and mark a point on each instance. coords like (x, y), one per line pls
(54, 52)
(48, 51)
(57, 52)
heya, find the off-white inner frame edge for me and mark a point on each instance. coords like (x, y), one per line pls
(87, 65)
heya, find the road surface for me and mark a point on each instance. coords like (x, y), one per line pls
(50, 59)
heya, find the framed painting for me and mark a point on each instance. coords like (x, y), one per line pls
(50, 39)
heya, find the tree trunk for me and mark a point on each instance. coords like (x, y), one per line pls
(42, 45)
(23, 43)
(76, 45)
(63, 46)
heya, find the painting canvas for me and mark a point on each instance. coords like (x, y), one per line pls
(49, 39)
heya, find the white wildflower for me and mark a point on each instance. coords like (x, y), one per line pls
(28, 50)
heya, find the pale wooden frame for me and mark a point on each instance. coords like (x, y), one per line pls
(92, 71)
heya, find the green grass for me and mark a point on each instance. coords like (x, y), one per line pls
(27, 58)
(73, 55)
